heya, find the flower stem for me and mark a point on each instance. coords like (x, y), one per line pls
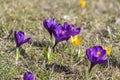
(91, 66)
(17, 55)
(54, 46)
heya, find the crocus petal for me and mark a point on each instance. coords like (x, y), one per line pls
(75, 31)
(99, 48)
(19, 37)
(15, 36)
(104, 59)
(94, 59)
(57, 29)
(108, 51)
(71, 29)
(68, 26)
(65, 25)
(74, 40)
(94, 51)
(88, 53)
(82, 3)
(28, 76)
(26, 40)
(53, 21)
(48, 24)
(63, 37)
(71, 39)
(103, 53)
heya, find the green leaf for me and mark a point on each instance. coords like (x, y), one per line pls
(48, 54)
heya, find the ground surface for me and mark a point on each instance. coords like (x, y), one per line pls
(69, 63)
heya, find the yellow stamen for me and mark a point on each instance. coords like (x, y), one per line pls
(72, 28)
(75, 40)
(82, 3)
(98, 53)
(108, 51)
(63, 32)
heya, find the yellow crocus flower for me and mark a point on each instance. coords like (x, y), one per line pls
(82, 3)
(108, 51)
(74, 40)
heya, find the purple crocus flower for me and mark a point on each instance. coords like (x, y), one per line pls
(71, 29)
(48, 24)
(96, 55)
(28, 76)
(19, 38)
(60, 34)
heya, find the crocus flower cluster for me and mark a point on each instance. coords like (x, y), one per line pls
(65, 32)
(60, 32)
(28, 76)
(96, 55)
